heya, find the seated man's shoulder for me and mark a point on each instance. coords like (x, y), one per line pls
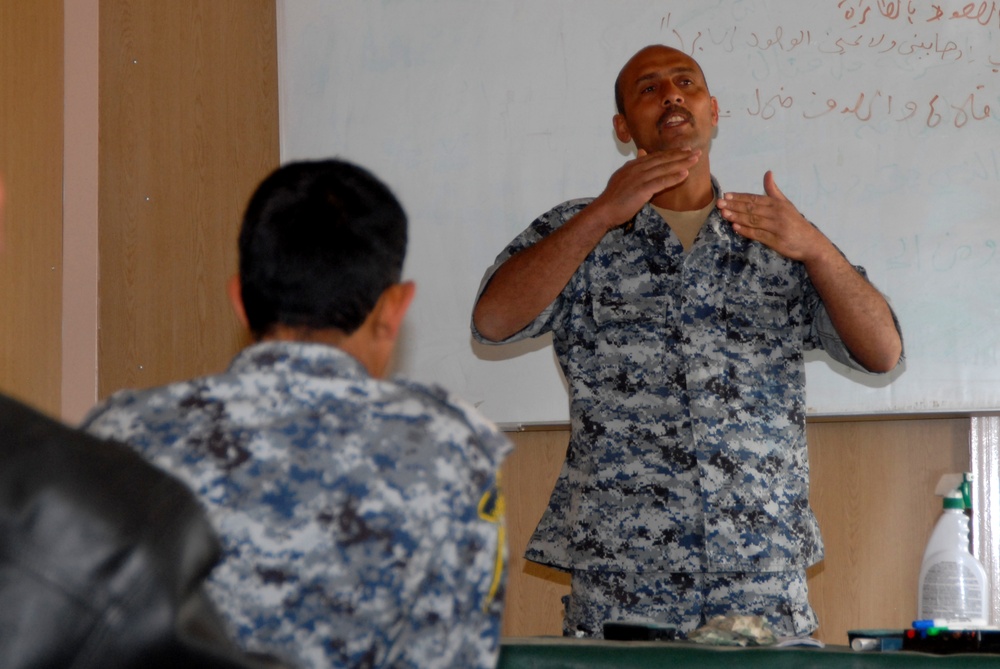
(446, 415)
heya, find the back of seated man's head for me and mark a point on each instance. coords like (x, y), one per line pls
(321, 241)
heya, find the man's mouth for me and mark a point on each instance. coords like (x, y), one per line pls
(674, 117)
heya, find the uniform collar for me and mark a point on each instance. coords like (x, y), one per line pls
(648, 221)
(300, 357)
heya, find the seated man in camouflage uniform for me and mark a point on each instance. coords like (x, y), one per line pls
(360, 517)
(102, 555)
(679, 316)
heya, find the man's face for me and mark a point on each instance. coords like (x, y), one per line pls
(666, 102)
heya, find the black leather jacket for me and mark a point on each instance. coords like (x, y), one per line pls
(101, 557)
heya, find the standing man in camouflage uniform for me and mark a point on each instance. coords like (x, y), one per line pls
(360, 517)
(679, 315)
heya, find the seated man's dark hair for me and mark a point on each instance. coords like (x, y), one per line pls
(320, 242)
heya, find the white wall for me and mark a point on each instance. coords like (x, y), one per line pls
(481, 115)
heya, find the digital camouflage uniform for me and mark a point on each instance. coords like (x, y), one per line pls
(687, 451)
(361, 519)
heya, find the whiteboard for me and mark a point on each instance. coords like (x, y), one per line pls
(878, 117)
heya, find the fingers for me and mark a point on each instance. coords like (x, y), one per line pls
(770, 219)
(639, 180)
(672, 165)
(655, 171)
(771, 187)
(754, 210)
(747, 209)
(667, 157)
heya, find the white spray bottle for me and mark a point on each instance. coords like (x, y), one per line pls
(953, 584)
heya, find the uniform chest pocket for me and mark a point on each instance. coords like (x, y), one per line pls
(757, 312)
(612, 310)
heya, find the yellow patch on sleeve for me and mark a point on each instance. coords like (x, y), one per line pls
(492, 509)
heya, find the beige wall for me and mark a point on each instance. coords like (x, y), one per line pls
(189, 125)
(872, 484)
(170, 121)
(31, 93)
(81, 46)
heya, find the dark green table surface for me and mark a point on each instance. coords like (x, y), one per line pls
(559, 653)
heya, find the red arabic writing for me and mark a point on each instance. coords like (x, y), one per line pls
(859, 12)
(876, 106)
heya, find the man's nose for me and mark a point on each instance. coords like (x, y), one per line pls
(672, 96)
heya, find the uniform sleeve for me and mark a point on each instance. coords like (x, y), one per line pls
(461, 602)
(821, 333)
(111, 419)
(462, 560)
(558, 310)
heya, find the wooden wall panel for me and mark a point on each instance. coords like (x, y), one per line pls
(189, 126)
(31, 106)
(533, 606)
(873, 492)
(872, 488)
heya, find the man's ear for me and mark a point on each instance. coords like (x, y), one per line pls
(621, 129)
(392, 307)
(235, 292)
(374, 342)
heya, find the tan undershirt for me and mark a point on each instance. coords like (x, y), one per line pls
(686, 224)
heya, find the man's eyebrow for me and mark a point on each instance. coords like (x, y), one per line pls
(649, 76)
(659, 74)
